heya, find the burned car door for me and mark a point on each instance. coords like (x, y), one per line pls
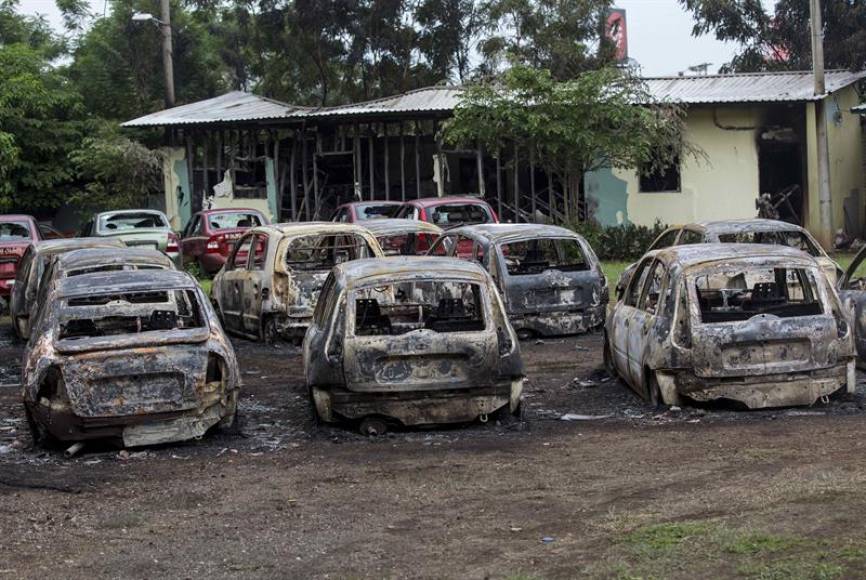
(430, 334)
(852, 292)
(231, 284)
(623, 314)
(643, 321)
(256, 288)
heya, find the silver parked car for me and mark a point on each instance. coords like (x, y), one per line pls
(756, 324)
(411, 340)
(136, 355)
(31, 268)
(270, 283)
(549, 276)
(147, 228)
(743, 231)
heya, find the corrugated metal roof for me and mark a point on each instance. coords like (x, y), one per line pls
(426, 100)
(238, 107)
(233, 107)
(746, 88)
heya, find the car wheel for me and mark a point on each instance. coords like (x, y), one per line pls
(38, 433)
(608, 359)
(230, 422)
(269, 330)
(654, 392)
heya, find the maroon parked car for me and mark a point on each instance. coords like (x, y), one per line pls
(360, 211)
(211, 234)
(450, 211)
(17, 232)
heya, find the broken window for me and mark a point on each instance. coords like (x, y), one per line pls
(409, 244)
(652, 295)
(231, 220)
(792, 239)
(460, 214)
(541, 254)
(739, 294)
(369, 211)
(660, 179)
(440, 306)
(323, 252)
(112, 314)
(131, 221)
(112, 268)
(14, 231)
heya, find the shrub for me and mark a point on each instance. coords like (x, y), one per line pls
(626, 242)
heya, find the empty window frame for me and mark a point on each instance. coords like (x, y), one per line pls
(538, 255)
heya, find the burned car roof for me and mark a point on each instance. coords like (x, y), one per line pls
(106, 256)
(390, 226)
(504, 232)
(358, 271)
(309, 228)
(699, 254)
(124, 281)
(69, 244)
(746, 225)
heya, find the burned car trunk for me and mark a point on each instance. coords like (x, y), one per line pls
(415, 340)
(549, 276)
(754, 324)
(134, 355)
(271, 281)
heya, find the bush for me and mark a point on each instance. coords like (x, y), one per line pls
(622, 243)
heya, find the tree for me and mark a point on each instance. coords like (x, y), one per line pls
(781, 39)
(563, 36)
(601, 118)
(447, 31)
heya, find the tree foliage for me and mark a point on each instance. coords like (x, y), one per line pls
(780, 39)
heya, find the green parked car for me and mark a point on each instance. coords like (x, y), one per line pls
(143, 228)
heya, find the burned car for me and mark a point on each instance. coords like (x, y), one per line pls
(147, 228)
(743, 231)
(411, 340)
(136, 355)
(271, 280)
(549, 276)
(31, 268)
(403, 237)
(758, 325)
(852, 292)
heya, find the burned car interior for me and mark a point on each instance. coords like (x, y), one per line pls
(539, 255)
(323, 252)
(791, 239)
(734, 295)
(99, 315)
(440, 306)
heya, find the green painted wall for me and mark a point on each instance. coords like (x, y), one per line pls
(608, 195)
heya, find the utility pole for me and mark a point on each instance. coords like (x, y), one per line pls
(167, 56)
(825, 202)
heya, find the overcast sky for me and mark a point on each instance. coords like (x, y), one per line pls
(659, 34)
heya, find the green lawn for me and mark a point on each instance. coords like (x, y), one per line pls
(613, 270)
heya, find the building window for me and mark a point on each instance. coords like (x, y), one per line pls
(662, 179)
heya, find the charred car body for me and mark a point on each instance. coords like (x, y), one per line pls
(400, 237)
(852, 292)
(138, 355)
(271, 280)
(756, 324)
(31, 269)
(411, 339)
(743, 231)
(549, 276)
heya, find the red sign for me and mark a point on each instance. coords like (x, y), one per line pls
(616, 31)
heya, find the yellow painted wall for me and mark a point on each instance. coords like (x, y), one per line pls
(721, 185)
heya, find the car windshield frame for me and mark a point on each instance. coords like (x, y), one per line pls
(103, 220)
(23, 224)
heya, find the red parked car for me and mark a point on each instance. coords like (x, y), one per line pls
(450, 211)
(211, 234)
(17, 232)
(360, 211)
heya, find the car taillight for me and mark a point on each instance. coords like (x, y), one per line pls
(173, 243)
(216, 244)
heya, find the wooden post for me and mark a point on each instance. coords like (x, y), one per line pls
(316, 175)
(417, 162)
(190, 169)
(516, 185)
(440, 162)
(304, 178)
(479, 160)
(205, 176)
(387, 164)
(532, 181)
(499, 183)
(402, 164)
(293, 178)
(277, 176)
(371, 160)
(219, 156)
(356, 164)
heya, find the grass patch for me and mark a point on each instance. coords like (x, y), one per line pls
(713, 548)
(613, 270)
(205, 284)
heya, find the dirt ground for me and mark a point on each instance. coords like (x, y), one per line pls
(622, 493)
